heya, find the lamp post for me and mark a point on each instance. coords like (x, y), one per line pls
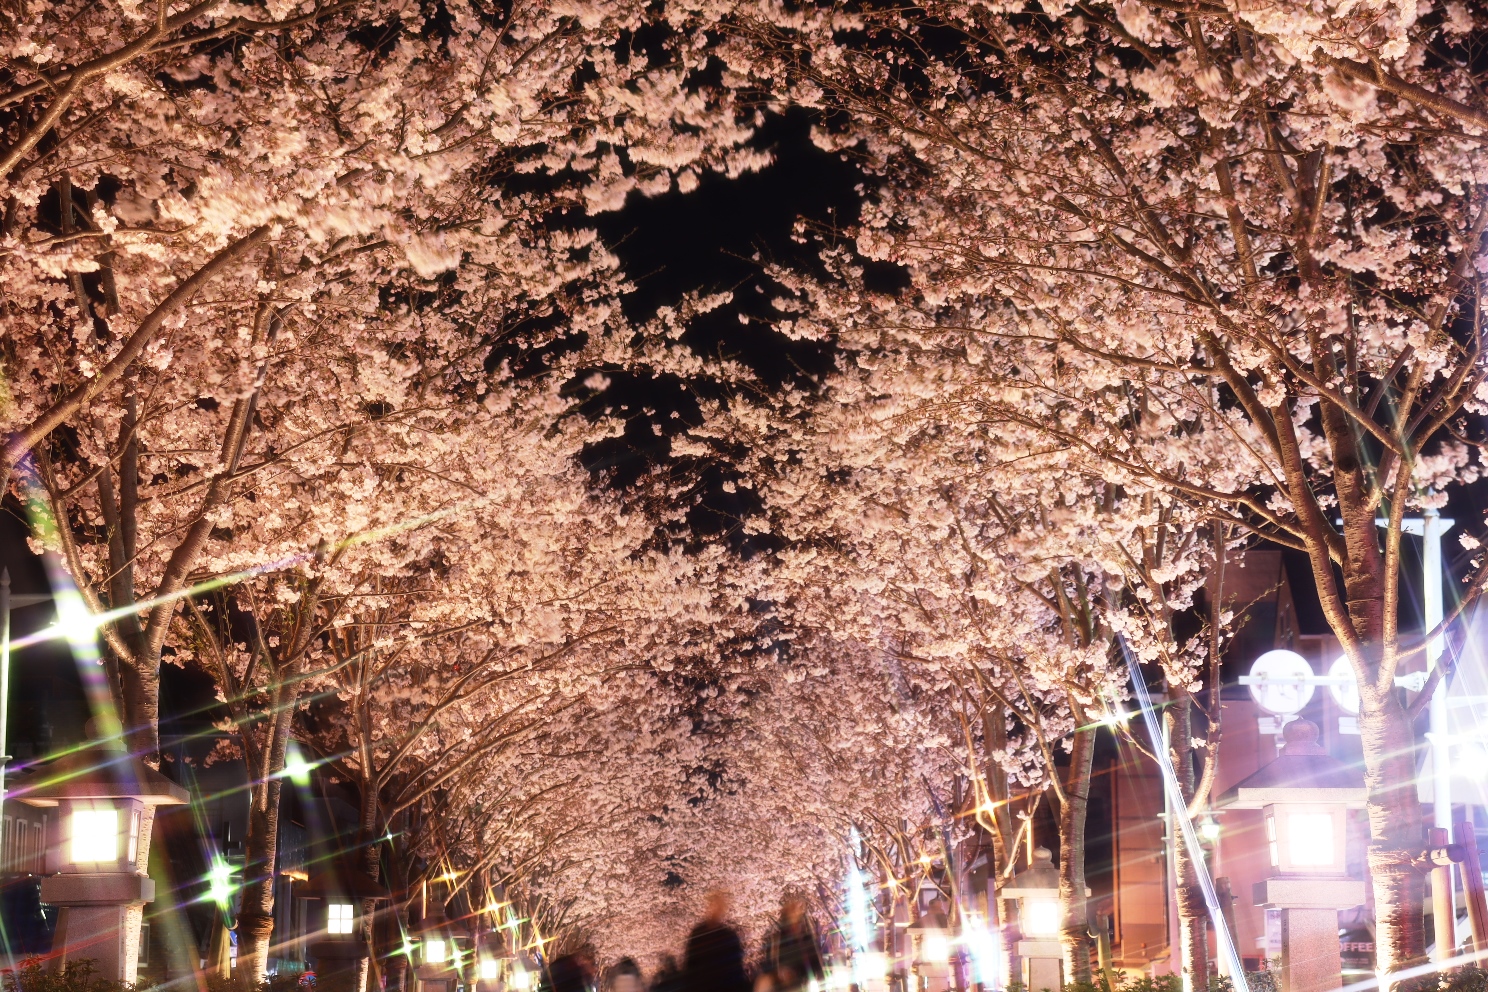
(931, 950)
(98, 850)
(1036, 888)
(438, 956)
(930, 942)
(1304, 797)
(342, 892)
(489, 955)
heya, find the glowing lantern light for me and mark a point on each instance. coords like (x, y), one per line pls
(1304, 796)
(95, 835)
(97, 846)
(1036, 888)
(340, 918)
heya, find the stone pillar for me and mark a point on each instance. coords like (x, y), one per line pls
(1309, 927)
(1310, 960)
(1043, 965)
(99, 920)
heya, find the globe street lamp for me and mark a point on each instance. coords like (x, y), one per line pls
(98, 850)
(1036, 888)
(1304, 797)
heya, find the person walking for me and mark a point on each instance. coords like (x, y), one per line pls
(571, 973)
(668, 977)
(714, 960)
(625, 976)
(794, 955)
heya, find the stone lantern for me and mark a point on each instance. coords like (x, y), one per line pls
(438, 957)
(98, 852)
(1036, 888)
(490, 958)
(340, 890)
(1305, 796)
(931, 943)
(931, 950)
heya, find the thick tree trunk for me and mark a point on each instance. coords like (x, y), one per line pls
(1395, 832)
(261, 847)
(1193, 915)
(1366, 616)
(372, 865)
(1075, 923)
(994, 732)
(1193, 918)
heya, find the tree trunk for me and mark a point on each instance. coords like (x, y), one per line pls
(261, 849)
(994, 734)
(1366, 616)
(1193, 916)
(372, 865)
(1394, 831)
(1075, 923)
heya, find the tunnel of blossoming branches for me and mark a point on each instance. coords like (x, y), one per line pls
(993, 488)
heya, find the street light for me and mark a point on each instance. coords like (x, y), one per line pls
(1040, 916)
(97, 852)
(1304, 796)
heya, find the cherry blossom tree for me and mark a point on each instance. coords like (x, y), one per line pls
(1161, 230)
(343, 183)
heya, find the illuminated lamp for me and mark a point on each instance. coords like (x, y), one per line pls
(930, 944)
(1040, 917)
(1304, 797)
(438, 958)
(339, 891)
(489, 956)
(98, 848)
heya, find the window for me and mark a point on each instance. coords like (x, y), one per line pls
(134, 832)
(95, 835)
(1271, 840)
(339, 919)
(434, 950)
(144, 945)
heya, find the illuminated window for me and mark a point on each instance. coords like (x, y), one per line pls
(1271, 841)
(339, 920)
(95, 835)
(134, 832)
(1310, 838)
(936, 949)
(520, 979)
(490, 969)
(434, 950)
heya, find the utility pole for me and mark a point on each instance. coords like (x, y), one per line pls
(1430, 526)
(6, 842)
(4, 691)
